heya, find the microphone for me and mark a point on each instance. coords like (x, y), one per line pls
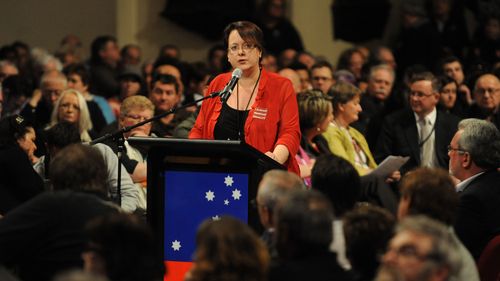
(226, 92)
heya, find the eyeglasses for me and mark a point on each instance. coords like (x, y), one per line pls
(419, 95)
(138, 118)
(410, 251)
(245, 47)
(459, 150)
(487, 90)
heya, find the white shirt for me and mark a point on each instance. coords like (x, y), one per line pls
(431, 120)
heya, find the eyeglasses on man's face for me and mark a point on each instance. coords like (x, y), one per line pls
(459, 150)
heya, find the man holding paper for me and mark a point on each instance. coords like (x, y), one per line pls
(422, 132)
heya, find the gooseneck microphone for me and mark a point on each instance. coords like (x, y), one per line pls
(226, 92)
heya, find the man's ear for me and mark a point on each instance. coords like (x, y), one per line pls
(466, 160)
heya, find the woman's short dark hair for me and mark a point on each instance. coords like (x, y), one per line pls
(80, 70)
(249, 31)
(338, 180)
(342, 93)
(227, 249)
(445, 80)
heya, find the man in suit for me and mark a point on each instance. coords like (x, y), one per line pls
(487, 99)
(422, 133)
(474, 159)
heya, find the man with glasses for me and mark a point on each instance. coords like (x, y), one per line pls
(421, 132)
(322, 76)
(474, 159)
(422, 249)
(40, 105)
(487, 99)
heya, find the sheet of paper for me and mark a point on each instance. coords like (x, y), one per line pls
(389, 165)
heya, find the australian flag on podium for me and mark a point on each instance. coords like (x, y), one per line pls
(191, 198)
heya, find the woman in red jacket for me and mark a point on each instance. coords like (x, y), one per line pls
(262, 109)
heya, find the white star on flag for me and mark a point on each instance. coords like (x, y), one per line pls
(210, 195)
(216, 218)
(236, 194)
(176, 245)
(228, 180)
(226, 202)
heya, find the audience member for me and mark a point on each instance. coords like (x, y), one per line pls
(165, 95)
(227, 249)
(18, 181)
(170, 66)
(422, 132)
(293, 77)
(448, 101)
(304, 75)
(449, 21)
(170, 51)
(130, 85)
(340, 183)
(41, 104)
(63, 134)
(315, 115)
(487, 99)
(452, 67)
(16, 93)
(71, 107)
(422, 250)
(418, 42)
(279, 32)
(431, 192)
(269, 62)
(122, 247)
(474, 159)
(215, 59)
(383, 55)
(377, 102)
(352, 60)
(78, 79)
(367, 231)
(78, 177)
(131, 58)
(275, 184)
(306, 58)
(104, 66)
(287, 57)
(303, 233)
(322, 76)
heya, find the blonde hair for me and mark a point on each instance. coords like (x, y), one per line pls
(84, 121)
(314, 107)
(136, 102)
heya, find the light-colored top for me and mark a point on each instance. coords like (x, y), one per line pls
(338, 244)
(430, 119)
(340, 142)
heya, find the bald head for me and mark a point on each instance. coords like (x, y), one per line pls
(293, 77)
(487, 92)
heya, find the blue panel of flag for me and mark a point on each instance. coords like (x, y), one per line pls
(192, 197)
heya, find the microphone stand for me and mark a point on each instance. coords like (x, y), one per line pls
(118, 137)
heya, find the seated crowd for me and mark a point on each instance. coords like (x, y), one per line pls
(343, 217)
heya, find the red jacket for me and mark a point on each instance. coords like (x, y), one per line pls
(272, 120)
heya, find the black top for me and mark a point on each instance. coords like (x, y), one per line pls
(227, 127)
(46, 235)
(18, 180)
